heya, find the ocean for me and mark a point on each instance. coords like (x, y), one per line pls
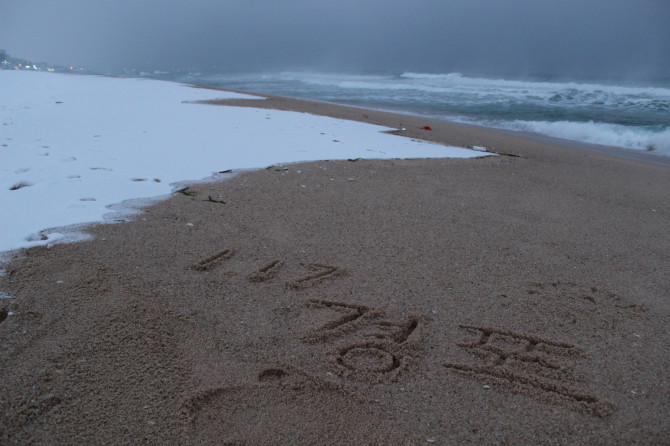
(603, 113)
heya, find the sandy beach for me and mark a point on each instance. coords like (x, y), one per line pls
(511, 299)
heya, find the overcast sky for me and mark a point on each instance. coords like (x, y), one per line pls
(613, 38)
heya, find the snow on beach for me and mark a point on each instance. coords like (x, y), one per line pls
(72, 146)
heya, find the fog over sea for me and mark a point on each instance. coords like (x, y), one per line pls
(604, 113)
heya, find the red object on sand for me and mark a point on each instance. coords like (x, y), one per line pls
(426, 127)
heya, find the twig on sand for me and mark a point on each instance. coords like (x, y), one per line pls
(185, 191)
(209, 198)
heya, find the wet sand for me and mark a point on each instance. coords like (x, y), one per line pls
(501, 300)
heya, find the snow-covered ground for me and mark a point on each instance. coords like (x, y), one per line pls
(71, 146)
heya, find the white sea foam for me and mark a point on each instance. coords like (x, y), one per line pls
(599, 133)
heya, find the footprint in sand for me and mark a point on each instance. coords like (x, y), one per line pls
(267, 413)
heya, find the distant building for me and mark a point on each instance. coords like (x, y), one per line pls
(7, 62)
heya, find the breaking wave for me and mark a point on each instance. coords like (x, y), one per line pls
(634, 138)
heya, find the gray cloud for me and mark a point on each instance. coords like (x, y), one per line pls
(512, 37)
